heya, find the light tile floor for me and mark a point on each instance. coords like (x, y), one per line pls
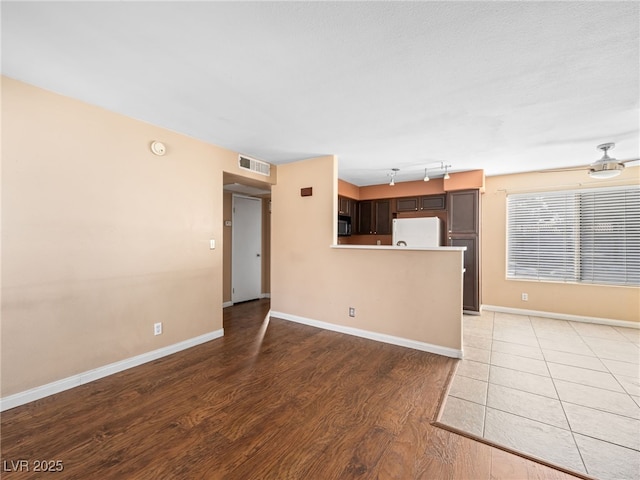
(566, 392)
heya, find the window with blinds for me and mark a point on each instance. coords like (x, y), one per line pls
(588, 236)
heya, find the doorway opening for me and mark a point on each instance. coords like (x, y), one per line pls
(246, 240)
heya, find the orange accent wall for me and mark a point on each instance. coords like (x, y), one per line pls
(473, 179)
(402, 189)
(347, 189)
(465, 180)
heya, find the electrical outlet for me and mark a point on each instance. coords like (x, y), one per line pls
(525, 297)
(352, 312)
(157, 328)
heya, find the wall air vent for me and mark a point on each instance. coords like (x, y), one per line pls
(257, 166)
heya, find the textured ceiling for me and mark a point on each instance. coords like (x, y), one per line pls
(502, 86)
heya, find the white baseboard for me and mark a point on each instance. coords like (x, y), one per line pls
(58, 386)
(379, 337)
(230, 303)
(563, 316)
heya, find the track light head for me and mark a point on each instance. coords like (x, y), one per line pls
(393, 173)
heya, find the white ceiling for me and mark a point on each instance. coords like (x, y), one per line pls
(502, 86)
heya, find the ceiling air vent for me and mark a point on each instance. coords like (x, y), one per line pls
(257, 166)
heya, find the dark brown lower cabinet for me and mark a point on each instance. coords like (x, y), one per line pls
(470, 283)
(463, 208)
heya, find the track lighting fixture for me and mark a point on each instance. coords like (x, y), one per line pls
(426, 178)
(442, 167)
(393, 173)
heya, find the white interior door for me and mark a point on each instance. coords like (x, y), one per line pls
(246, 252)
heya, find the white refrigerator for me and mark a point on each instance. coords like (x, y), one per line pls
(416, 232)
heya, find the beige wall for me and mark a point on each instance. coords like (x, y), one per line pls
(101, 238)
(415, 295)
(618, 303)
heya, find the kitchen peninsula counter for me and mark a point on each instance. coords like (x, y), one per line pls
(391, 247)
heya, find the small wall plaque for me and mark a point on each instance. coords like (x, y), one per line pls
(306, 192)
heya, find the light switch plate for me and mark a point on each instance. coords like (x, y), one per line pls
(212, 244)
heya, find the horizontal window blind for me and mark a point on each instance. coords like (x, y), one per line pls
(590, 236)
(610, 236)
(542, 233)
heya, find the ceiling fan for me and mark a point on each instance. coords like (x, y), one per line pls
(606, 167)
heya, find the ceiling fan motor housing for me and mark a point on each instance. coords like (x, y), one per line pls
(611, 165)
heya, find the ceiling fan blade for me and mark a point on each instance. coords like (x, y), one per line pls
(629, 160)
(565, 169)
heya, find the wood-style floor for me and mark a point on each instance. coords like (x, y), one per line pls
(269, 400)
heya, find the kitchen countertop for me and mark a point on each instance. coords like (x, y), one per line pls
(391, 247)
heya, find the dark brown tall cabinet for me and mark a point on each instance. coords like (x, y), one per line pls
(463, 208)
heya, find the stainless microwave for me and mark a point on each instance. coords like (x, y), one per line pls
(344, 225)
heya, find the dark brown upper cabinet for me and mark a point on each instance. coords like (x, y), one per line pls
(407, 204)
(464, 212)
(433, 202)
(346, 206)
(374, 217)
(382, 210)
(365, 217)
(416, 204)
